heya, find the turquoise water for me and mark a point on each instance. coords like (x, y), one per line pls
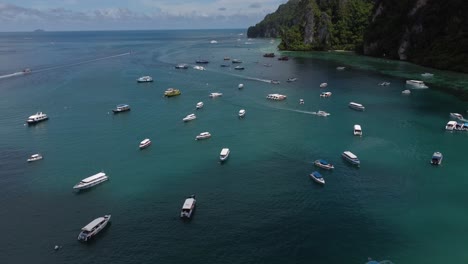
(258, 207)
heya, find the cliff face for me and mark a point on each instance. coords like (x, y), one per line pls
(433, 33)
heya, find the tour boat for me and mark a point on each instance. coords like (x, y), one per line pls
(456, 116)
(406, 92)
(427, 75)
(199, 105)
(172, 92)
(292, 79)
(121, 108)
(201, 61)
(242, 113)
(36, 118)
(340, 68)
(356, 106)
(188, 207)
(144, 79)
(189, 118)
(276, 97)
(323, 85)
(213, 95)
(145, 143)
(91, 181)
(357, 130)
(94, 227)
(240, 86)
(317, 177)
(200, 68)
(416, 84)
(350, 157)
(325, 94)
(301, 101)
(34, 157)
(181, 66)
(436, 158)
(224, 154)
(239, 68)
(203, 135)
(323, 164)
(451, 125)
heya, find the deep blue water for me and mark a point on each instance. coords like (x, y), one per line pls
(258, 207)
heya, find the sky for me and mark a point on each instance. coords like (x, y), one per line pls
(63, 15)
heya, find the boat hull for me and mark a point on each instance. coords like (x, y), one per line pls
(84, 187)
(34, 122)
(120, 111)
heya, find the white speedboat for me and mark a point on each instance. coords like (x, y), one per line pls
(351, 158)
(436, 158)
(36, 118)
(451, 125)
(199, 105)
(340, 68)
(34, 157)
(145, 143)
(200, 68)
(189, 118)
(292, 79)
(357, 130)
(213, 42)
(301, 101)
(203, 135)
(323, 85)
(325, 94)
(323, 164)
(239, 68)
(188, 207)
(94, 227)
(224, 154)
(144, 79)
(276, 97)
(91, 181)
(356, 106)
(406, 92)
(317, 177)
(182, 66)
(240, 86)
(427, 75)
(242, 113)
(121, 108)
(456, 116)
(416, 84)
(213, 95)
(322, 113)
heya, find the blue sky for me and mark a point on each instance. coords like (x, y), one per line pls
(53, 15)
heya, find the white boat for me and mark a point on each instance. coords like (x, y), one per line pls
(356, 106)
(144, 79)
(275, 82)
(325, 94)
(145, 143)
(213, 95)
(317, 177)
(301, 101)
(436, 158)
(323, 85)
(323, 164)
(322, 113)
(416, 84)
(224, 154)
(456, 116)
(350, 157)
(406, 92)
(188, 207)
(93, 228)
(91, 181)
(357, 130)
(199, 105)
(36, 118)
(240, 86)
(34, 157)
(340, 68)
(203, 135)
(276, 97)
(451, 125)
(189, 118)
(121, 108)
(181, 66)
(198, 67)
(242, 113)
(213, 42)
(292, 79)
(427, 75)
(239, 68)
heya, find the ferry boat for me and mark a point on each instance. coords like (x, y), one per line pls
(199, 105)
(188, 207)
(436, 158)
(203, 135)
(323, 85)
(239, 68)
(283, 58)
(317, 177)
(145, 143)
(240, 86)
(406, 92)
(276, 97)
(451, 125)
(213, 95)
(182, 66)
(121, 108)
(269, 55)
(200, 68)
(242, 113)
(416, 84)
(323, 164)
(93, 228)
(357, 130)
(34, 157)
(189, 118)
(236, 61)
(351, 158)
(292, 79)
(144, 79)
(325, 94)
(172, 92)
(36, 118)
(224, 154)
(356, 106)
(202, 62)
(91, 181)
(456, 116)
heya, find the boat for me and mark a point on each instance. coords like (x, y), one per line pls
(436, 158)
(456, 116)
(276, 97)
(145, 143)
(203, 135)
(325, 94)
(227, 58)
(239, 68)
(240, 86)
(145, 79)
(465, 127)
(188, 207)
(34, 157)
(267, 64)
(323, 164)
(213, 42)
(427, 75)
(200, 68)
(451, 125)
(172, 92)
(416, 84)
(121, 108)
(242, 113)
(340, 68)
(213, 95)
(384, 84)
(224, 154)
(189, 118)
(269, 55)
(350, 157)
(91, 181)
(236, 61)
(202, 62)
(26, 71)
(406, 92)
(292, 79)
(317, 177)
(94, 227)
(225, 65)
(275, 82)
(182, 66)
(36, 118)
(323, 85)
(459, 126)
(322, 113)
(301, 101)
(357, 130)
(199, 105)
(356, 106)
(283, 58)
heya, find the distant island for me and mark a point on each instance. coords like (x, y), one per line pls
(429, 33)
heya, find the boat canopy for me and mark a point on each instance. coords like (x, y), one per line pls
(317, 174)
(122, 105)
(224, 151)
(89, 227)
(323, 162)
(357, 127)
(188, 204)
(350, 154)
(94, 177)
(453, 123)
(145, 141)
(355, 104)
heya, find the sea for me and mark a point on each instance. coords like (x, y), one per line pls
(260, 206)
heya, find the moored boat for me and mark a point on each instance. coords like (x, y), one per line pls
(242, 113)
(199, 105)
(351, 158)
(145, 143)
(417, 84)
(91, 181)
(283, 58)
(145, 79)
(172, 92)
(93, 228)
(357, 130)
(451, 125)
(213, 95)
(188, 207)
(325, 94)
(202, 61)
(436, 158)
(356, 106)
(189, 118)
(34, 157)
(323, 164)
(36, 118)
(236, 61)
(269, 55)
(203, 135)
(317, 177)
(224, 154)
(456, 116)
(121, 108)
